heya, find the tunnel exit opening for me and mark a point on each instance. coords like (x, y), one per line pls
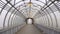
(29, 21)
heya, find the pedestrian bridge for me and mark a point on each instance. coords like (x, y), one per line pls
(29, 16)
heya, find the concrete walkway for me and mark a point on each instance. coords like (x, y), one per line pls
(29, 29)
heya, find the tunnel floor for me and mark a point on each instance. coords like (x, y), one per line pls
(29, 29)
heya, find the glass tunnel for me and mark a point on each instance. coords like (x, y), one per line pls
(29, 16)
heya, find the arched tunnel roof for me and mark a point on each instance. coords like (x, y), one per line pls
(28, 8)
(13, 11)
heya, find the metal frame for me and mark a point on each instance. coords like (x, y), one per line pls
(15, 8)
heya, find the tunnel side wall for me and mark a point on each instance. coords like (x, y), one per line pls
(15, 23)
(49, 21)
(49, 27)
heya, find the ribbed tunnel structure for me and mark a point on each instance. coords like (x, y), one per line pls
(29, 16)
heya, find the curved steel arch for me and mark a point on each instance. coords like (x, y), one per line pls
(31, 8)
(22, 9)
(40, 1)
(10, 16)
(32, 4)
(21, 5)
(23, 1)
(54, 16)
(4, 6)
(47, 18)
(50, 16)
(5, 18)
(39, 5)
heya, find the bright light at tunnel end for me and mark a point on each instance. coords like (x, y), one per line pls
(29, 21)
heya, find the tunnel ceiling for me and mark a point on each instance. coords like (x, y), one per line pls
(28, 8)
